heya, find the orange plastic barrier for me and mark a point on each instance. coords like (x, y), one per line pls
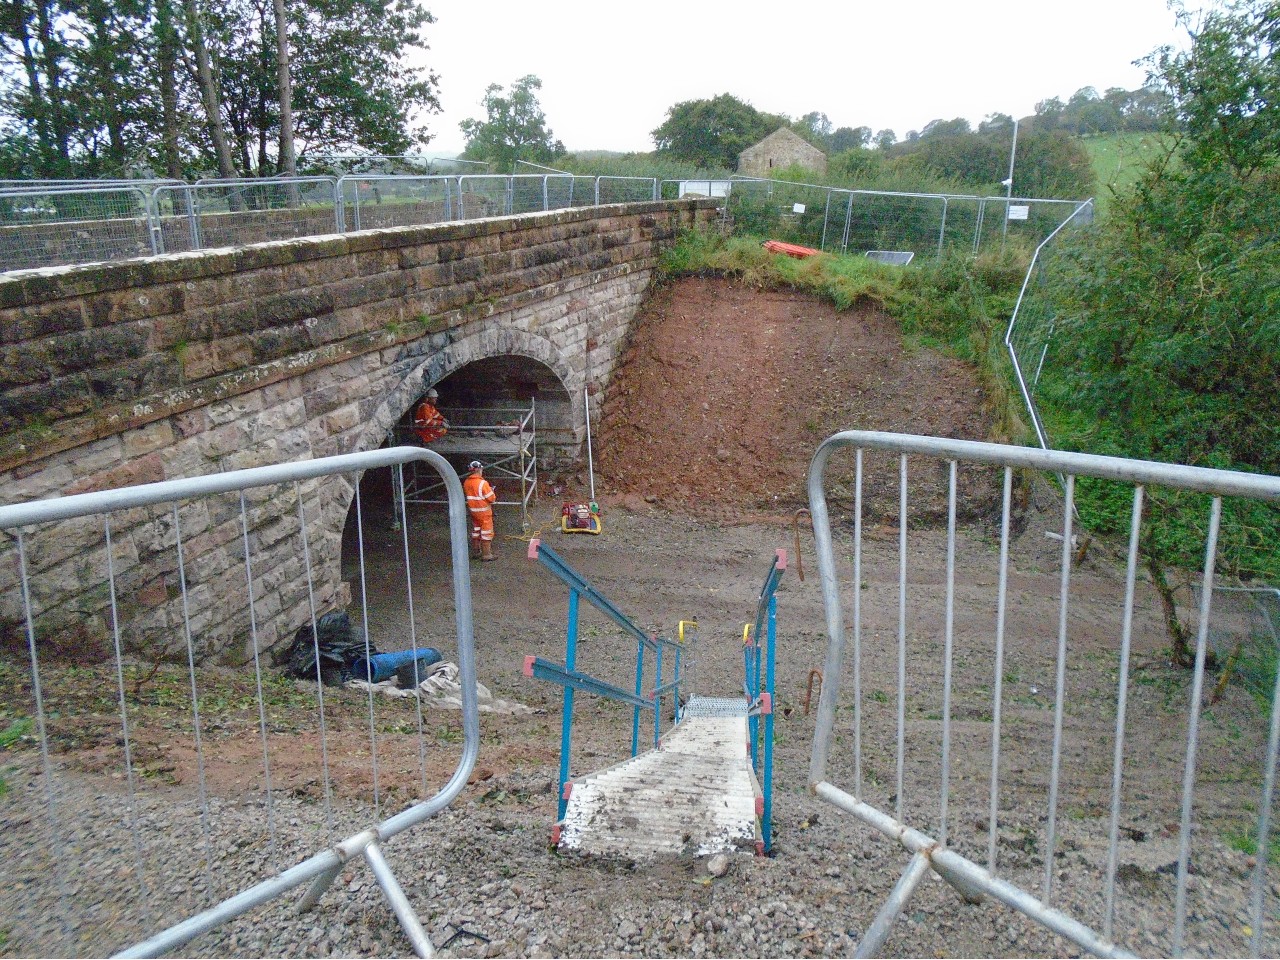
(790, 249)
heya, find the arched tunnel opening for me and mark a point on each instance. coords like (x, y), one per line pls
(514, 415)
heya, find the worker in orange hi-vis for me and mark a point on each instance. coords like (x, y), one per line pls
(480, 499)
(428, 422)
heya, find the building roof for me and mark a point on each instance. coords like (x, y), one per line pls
(782, 136)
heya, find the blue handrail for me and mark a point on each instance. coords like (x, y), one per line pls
(758, 687)
(572, 679)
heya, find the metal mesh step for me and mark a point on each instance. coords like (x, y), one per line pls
(716, 707)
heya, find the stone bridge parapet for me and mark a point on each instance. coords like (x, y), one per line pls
(186, 364)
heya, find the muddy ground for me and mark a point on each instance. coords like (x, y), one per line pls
(706, 437)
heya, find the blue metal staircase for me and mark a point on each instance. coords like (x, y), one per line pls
(706, 785)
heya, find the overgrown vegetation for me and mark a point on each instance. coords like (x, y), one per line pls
(1167, 339)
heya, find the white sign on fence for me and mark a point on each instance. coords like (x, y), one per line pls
(1019, 211)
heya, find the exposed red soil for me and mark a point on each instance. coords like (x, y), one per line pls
(726, 391)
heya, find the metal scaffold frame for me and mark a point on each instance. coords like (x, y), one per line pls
(504, 439)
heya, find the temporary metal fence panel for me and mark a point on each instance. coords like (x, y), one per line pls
(369, 202)
(1027, 220)
(626, 189)
(779, 210)
(894, 221)
(1244, 636)
(54, 226)
(582, 191)
(1007, 698)
(170, 560)
(222, 213)
(854, 221)
(558, 192)
(839, 220)
(482, 196)
(1031, 326)
(144, 184)
(174, 220)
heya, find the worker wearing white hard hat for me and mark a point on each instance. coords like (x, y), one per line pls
(428, 422)
(480, 500)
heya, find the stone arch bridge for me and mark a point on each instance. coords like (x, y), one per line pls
(181, 365)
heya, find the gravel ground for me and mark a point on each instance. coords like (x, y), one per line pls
(482, 876)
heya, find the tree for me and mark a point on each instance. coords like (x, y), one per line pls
(98, 87)
(1146, 109)
(1226, 88)
(70, 81)
(1049, 165)
(167, 52)
(284, 85)
(967, 158)
(849, 138)
(712, 133)
(859, 165)
(1000, 123)
(1049, 114)
(945, 128)
(814, 126)
(885, 139)
(1170, 342)
(209, 92)
(357, 84)
(514, 129)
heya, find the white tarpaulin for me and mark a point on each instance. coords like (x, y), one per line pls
(441, 689)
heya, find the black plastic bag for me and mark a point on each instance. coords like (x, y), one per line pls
(338, 646)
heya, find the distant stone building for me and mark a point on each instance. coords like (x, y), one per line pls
(782, 148)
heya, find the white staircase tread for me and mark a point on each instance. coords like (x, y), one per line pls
(695, 793)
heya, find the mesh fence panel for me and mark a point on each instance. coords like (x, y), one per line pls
(625, 189)
(791, 212)
(54, 226)
(1037, 219)
(249, 211)
(960, 231)
(560, 191)
(1029, 338)
(234, 212)
(482, 196)
(582, 192)
(1244, 634)
(886, 221)
(370, 203)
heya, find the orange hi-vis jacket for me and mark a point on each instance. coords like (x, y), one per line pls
(428, 422)
(480, 499)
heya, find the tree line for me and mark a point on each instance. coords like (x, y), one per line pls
(713, 132)
(94, 88)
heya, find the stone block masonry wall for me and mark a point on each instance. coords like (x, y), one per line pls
(190, 364)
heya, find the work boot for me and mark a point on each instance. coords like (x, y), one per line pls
(486, 550)
(475, 549)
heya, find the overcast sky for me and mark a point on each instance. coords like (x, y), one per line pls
(610, 71)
